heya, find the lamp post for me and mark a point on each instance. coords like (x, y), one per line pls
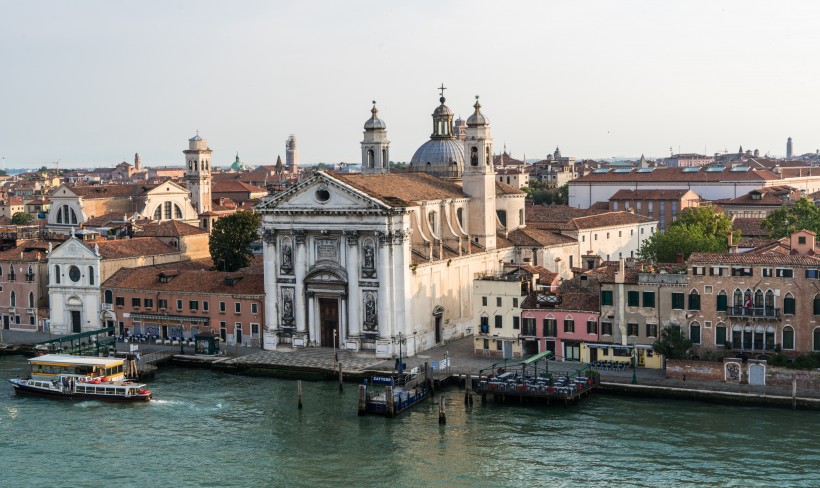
(634, 365)
(401, 340)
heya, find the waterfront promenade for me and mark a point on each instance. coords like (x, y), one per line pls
(462, 361)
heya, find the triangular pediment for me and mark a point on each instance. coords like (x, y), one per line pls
(166, 188)
(72, 248)
(323, 193)
(63, 191)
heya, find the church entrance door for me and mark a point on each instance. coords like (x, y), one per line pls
(329, 320)
(76, 324)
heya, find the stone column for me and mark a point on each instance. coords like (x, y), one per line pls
(272, 316)
(385, 285)
(299, 269)
(401, 283)
(342, 320)
(354, 293)
(311, 333)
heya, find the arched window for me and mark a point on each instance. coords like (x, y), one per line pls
(722, 301)
(694, 300)
(57, 275)
(168, 210)
(11, 272)
(109, 297)
(31, 299)
(158, 213)
(502, 217)
(816, 304)
(737, 298)
(177, 212)
(520, 216)
(769, 303)
(385, 162)
(816, 339)
(758, 299)
(789, 304)
(13, 299)
(431, 218)
(473, 156)
(60, 216)
(694, 332)
(91, 275)
(720, 333)
(592, 326)
(370, 158)
(788, 337)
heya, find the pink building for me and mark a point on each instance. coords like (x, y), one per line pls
(559, 322)
(170, 301)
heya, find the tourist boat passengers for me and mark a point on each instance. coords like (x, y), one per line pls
(81, 378)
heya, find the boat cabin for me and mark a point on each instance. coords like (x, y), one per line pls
(52, 365)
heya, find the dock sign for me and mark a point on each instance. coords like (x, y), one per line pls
(382, 379)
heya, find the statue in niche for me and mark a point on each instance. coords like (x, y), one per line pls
(369, 263)
(287, 308)
(287, 258)
(370, 319)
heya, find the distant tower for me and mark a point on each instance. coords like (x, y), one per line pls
(478, 179)
(789, 149)
(375, 146)
(292, 155)
(198, 173)
(460, 129)
(137, 160)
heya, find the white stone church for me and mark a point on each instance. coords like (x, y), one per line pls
(379, 260)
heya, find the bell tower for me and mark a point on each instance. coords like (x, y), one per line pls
(479, 179)
(375, 146)
(198, 173)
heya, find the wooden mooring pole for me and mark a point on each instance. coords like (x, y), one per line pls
(468, 390)
(362, 400)
(442, 416)
(299, 392)
(388, 399)
(341, 386)
(794, 394)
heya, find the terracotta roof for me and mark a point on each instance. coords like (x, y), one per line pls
(397, 189)
(110, 191)
(606, 272)
(756, 242)
(32, 251)
(762, 198)
(527, 236)
(131, 248)
(799, 172)
(749, 227)
(570, 301)
(609, 219)
(236, 186)
(187, 280)
(106, 219)
(557, 213)
(650, 194)
(752, 258)
(678, 174)
(169, 228)
(505, 189)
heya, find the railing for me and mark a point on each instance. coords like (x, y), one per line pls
(762, 312)
(663, 278)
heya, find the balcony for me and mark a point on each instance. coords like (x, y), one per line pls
(754, 312)
(663, 278)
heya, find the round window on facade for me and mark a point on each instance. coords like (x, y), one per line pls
(322, 195)
(74, 273)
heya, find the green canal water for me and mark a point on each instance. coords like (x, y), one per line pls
(214, 430)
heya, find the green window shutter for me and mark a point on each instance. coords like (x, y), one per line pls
(788, 305)
(722, 303)
(694, 301)
(606, 297)
(720, 336)
(633, 299)
(649, 299)
(677, 301)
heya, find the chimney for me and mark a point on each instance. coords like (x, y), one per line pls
(679, 258)
(620, 275)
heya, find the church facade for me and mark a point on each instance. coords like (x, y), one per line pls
(384, 261)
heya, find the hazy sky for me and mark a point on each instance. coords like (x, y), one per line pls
(91, 83)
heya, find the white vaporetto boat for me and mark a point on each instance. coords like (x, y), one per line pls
(81, 378)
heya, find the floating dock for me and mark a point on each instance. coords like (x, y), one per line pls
(392, 395)
(522, 380)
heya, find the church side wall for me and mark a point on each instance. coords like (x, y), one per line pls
(447, 284)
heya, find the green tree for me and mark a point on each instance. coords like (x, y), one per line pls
(672, 343)
(321, 167)
(804, 214)
(22, 218)
(230, 241)
(563, 191)
(699, 229)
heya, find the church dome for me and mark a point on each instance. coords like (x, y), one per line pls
(477, 119)
(441, 154)
(374, 122)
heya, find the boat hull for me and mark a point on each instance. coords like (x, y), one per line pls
(32, 391)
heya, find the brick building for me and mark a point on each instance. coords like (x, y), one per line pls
(663, 205)
(760, 301)
(181, 301)
(24, 286)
